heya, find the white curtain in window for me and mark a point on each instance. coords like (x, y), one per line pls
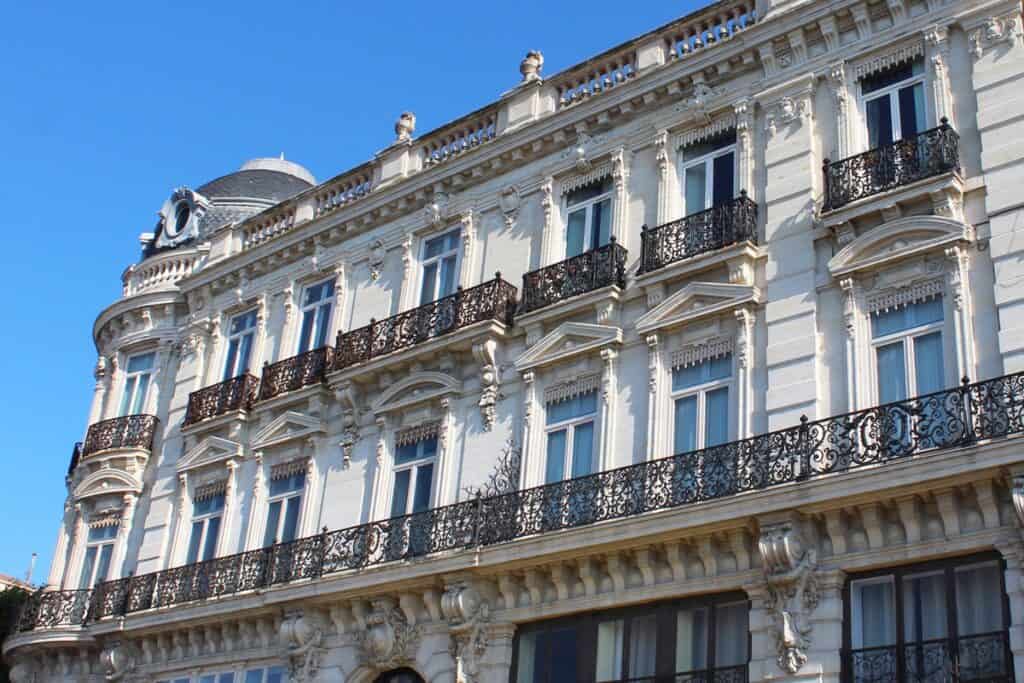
(643, 641)
(978, 600)
(731, 635)
(609, 650)
(874, 617)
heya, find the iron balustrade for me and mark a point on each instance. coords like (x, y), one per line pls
(884, 434)
(982, 657)
(926, 155)
(492, 300)
(127, 431)
(296, 372)
(720, 226)
(76, 455)
(237, 393)
(591, 270)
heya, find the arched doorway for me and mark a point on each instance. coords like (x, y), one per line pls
(399, 676)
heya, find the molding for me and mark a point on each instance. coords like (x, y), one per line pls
(890, 58)
(904, 237)
(415, 389)
(105, 482)
(211, 450)
(567, 340)
(684, 306)
(289, 427)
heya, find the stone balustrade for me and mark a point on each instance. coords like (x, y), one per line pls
(268, 225)
(461, 136)
(161, 271)
(342, 190)
(700, 33)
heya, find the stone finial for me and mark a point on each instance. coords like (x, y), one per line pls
(405, 126)
(531, 66)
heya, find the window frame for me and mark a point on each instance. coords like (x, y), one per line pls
(125, 405)
(587, 205)
(425, 262)
(569, 425)
(205, 518)
(708, 161)
(892, 92)
(283, 498)
(315, 307)
(701, 391)
(99, 546)
(414, 465)
(909, 337)
(231, 359)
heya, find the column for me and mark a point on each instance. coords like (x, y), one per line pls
(65, 539)
(70, 579)
(102, 372)
(609, 396)
(620, 219)
(654, 402)
(665, 189)
(497, 664)
(227, 527)
(745, 349)
(123, 536)
(936, 38)
(252, 536)
(744, 110)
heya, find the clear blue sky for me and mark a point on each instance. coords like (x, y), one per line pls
(106, 107)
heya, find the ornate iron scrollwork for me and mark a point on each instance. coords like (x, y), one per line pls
(295, 372)
(237, 393)
(128, 431)
(594, 269)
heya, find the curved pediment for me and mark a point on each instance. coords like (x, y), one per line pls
(896, 240)
(697, 300)
(105, 482)
(417, 388)
(566, 340)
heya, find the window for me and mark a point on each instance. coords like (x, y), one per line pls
(414, 474)
(928, 621)
(894, 103)
(700, 394)
(908, 350)
(227, 677)
(440, 264)
(317, 302)
(241, 333)
(709, 173)
(285, 503)
(272, 674)
(703, 639)
(98, 550)
(570, 437)
(176, 680)
(589, 209)
(137, 379)
(206, 519)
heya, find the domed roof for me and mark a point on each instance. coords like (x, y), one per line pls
(273, 179)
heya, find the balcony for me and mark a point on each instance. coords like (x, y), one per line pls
(237, 393)
(492, 300)
(983, 657)
(128, 431)
(720, 226)
(296, 372)
(592, 270)
(872, 438)
(929, 154)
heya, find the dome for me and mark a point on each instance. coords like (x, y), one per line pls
(271, 179)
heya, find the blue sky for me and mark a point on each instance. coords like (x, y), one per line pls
(106, 107)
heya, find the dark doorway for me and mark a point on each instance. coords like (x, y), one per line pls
(400, 676)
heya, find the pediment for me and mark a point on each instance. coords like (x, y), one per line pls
(211, 450)
(567, 340)
(107, 481)
(697, 300)
(897, 240)
(290, 426)
(417, 388)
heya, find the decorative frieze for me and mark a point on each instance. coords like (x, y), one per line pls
(583, 179)
(719, 125)
(417, 433)
(699, 352)
(889, 59)
(287, 469)
(897, 297)
(564, 391)
(211, 490)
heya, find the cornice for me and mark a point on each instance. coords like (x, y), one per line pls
(136, 302)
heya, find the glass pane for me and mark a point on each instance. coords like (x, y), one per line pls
(575, 233)
(126, 399)
(323, 321)
(229, 365)
(140, 363)
(102, 533)
(209, 678)
(527, 658)
(141, 389)
(87, 566)
(685, 425)
(400, 493)
(723, 187)
(208, 505)
(874, 614)
(406, 453)
(911, 103)
(282, 485)
(602, 223)
(892, 374)
(609, 650)
(448, 274)
(226, 678)
(879, 116)
(429, 447)
(589, 191)
(562, 658)
(892, 76)
(731, 634)
(702, 373)
(716, 417)
(709, 145)
(275, 674)
(306, 332)
(928, 366)
(583, 449)
(103, 563)
(979, 606)
(691, 640)
(212, 531)
(254, 676)
(429, 283)
(244, 354)
(312, 296)
(578, 406)
(555, 470)
(273, 519)
(434, 247)
(424, 479)
(643, 642)
(695, 188)
(291, 519)
(924, 607)
(194, 541)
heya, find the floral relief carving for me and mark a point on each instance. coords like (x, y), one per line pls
(792, 590)
(490, 379)
(468, 615)
(303, 636)
(1005, 29)
(389, 641)
(788, 112)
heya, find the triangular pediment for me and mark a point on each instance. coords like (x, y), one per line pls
(418, 388)
(697, 300)
(290, 426)
(568, 339)
(897, 240)
(211, 450)
(107, 481)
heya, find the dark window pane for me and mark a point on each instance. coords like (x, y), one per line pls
(724, 188)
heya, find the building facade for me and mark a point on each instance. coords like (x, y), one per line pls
(698, 361)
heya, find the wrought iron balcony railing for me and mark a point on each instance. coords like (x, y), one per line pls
(296, 372)
(720, 226)
(237, 393)
(492, 300)
(926, 155)
(590, 270)
(128, 431)
(953, 418)
(76, 455)
(982, 657)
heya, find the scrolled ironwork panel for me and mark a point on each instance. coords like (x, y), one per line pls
(237, 393)
(128, 431)
(720, 226)
(591, 270)
(295, 372)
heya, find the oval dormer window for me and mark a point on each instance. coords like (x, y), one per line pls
(182, 212)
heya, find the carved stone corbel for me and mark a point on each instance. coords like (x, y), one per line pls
(789, 566)
(388, 640)
(490, 380)
(346, 396)
(117, 660)
(468, 615)
(302, 635)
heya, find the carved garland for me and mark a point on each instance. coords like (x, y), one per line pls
(694, 354)
(898, 297)
(569, 389)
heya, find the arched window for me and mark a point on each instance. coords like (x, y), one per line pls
(400, 676)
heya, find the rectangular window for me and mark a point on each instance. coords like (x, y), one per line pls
(227, 677)
(894, 103)
(317, 303)
(206, 521)
(284, 505)
(570, 437)
(589, 211)
(709, 173)
(138, 375)
(99, 549)
(700, 394)
(414, 475)
(241, 333)
(939, 617)
(908, 350)
(440, 266)
(271, 674)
